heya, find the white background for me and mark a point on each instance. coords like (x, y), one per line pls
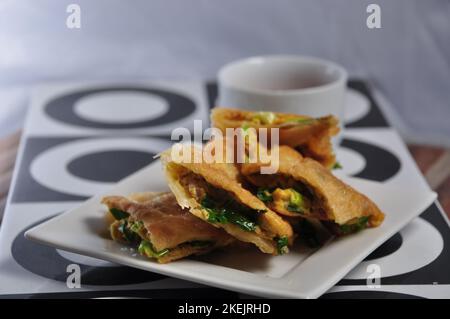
(408, 59)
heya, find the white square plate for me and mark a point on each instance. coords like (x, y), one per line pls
(302, 273)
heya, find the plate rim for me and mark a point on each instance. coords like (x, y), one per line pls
(279, 287)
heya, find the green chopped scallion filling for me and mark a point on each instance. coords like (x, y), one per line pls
(296, 203)
(228, 213)
(264, 195)
(282, 244)
(118, 214)
(337, 165)
(146, 248)
(360, 224)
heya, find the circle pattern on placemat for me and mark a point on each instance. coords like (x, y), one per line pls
(389, 247)
(108, 166)
(45, 261)
(356, 106)
(381, 164)
(418, 235)
(120, 107)
(54, 168)
(353, 162)
(64, 108)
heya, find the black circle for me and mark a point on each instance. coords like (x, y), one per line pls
(45, 261)
(388, 247)
(62, 108)
(381, 164)
(108, 166)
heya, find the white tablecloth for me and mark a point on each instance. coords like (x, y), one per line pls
(408, 59)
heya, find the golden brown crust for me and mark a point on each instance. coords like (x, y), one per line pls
(167, 225)
(224, 176)
(184, 251)
(310, 136)
(176, 253)
(340, 202)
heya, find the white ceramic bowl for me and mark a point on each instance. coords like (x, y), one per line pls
(284, 83)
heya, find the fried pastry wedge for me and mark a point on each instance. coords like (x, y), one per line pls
(160, 228)
(311, 137)
(213, 193)
(304, 188)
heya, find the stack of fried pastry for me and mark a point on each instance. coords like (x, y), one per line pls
(216, 203)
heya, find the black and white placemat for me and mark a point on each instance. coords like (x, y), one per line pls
(79, 139)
